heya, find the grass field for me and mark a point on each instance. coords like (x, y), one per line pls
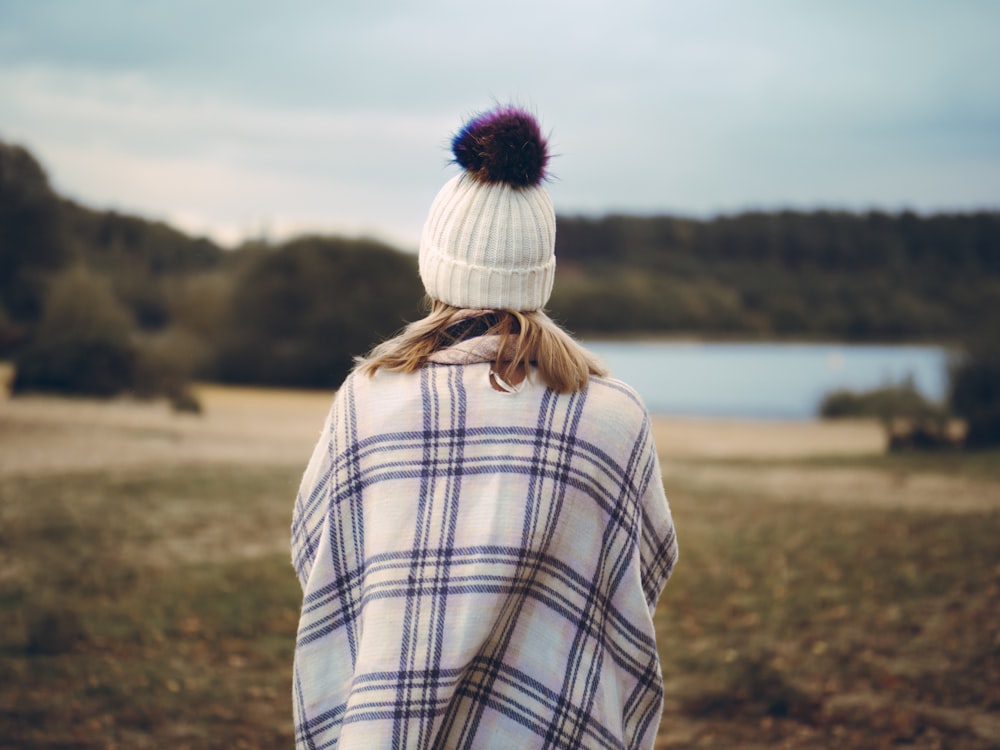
(827, 596)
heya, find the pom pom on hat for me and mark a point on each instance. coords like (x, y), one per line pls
(502, 146)
(489, 240)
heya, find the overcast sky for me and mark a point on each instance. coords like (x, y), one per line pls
(237, 118)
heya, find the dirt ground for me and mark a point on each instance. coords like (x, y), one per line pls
(40, 434)
(279, 427)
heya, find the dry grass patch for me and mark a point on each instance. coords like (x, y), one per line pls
(147, 610)
(799, 625)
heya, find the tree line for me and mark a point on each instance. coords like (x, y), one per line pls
(101, 302)
(852, 277)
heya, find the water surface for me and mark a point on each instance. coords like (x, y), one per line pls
(769, 381)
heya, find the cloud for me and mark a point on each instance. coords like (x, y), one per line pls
(135, 146)
(241, 114)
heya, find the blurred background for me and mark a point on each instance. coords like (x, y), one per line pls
(780, 222)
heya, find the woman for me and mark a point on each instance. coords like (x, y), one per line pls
(481, 534)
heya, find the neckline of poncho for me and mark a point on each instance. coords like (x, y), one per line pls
(470, 351)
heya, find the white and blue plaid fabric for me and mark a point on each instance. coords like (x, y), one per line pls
(480, 569)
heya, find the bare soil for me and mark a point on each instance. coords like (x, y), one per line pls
(253, 425)
(44, 434)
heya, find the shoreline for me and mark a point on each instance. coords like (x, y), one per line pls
(949, 345)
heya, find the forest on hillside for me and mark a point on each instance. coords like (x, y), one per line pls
(821, 275)
(136, 305)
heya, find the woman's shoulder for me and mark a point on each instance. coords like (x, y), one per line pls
(382, 395)
(616, 392)
(616, 401)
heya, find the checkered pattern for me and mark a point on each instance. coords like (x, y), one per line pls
(480, 569)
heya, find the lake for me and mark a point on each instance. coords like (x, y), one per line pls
(764, 381)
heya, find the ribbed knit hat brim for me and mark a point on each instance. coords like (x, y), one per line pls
(489, 246)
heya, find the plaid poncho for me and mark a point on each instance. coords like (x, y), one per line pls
(479, 569)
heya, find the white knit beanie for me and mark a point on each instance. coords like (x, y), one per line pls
(489, 241)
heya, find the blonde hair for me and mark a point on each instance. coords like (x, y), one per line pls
(526, 338)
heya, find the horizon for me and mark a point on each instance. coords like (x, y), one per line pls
(333, 232)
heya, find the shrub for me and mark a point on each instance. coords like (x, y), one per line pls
(975, 394)
(910, 420)
(899, 401)
(86, 366)
(82, 344)
(85, 345)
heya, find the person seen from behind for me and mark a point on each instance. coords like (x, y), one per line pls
(482, 534)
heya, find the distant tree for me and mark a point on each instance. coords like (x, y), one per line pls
(899, 401)
(31, 243)
(83, 343)
(9, 333)
(910, 420)
(822, 274)
(144, 259)
(200, 303)
(300, 313)
(829, 274)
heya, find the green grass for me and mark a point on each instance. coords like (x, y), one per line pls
(158, 609)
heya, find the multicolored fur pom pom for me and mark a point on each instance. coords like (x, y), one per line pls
(504, 145)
